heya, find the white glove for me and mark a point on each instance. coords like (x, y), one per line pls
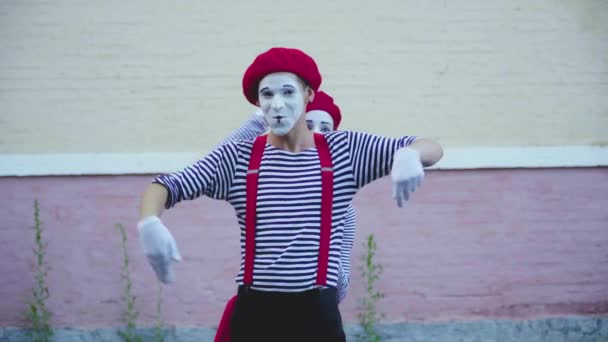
(159, 246)
(259, 112)
(407, 174)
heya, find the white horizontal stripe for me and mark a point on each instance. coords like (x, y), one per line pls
(155, 163)
(524, 157)
(299, 266)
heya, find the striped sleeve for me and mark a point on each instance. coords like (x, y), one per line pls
(348, 241)
(210, 176)
(248, 131)
(371, 156)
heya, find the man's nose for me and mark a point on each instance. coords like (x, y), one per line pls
(277, 103)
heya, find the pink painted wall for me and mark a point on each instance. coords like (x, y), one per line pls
(473, 244)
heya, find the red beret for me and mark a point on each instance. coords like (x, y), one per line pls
(324, 102)
(279, 59)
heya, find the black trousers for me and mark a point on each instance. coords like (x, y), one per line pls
(281, 316)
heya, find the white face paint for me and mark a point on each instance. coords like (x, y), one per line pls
(319, 121)
(281, 98)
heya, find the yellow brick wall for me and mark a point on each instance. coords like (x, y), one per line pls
(158, 76)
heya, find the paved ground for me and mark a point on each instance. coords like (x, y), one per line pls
(575, 329)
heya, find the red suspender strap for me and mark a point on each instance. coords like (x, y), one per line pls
(327, 193)
(250, 206)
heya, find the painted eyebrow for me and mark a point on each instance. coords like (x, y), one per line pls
(322, 122)
(284, 86)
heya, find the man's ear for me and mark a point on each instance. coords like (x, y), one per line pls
(257, 103)
(310, 94)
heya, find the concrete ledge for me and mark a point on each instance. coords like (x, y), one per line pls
(579, 329)
(153, 163)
